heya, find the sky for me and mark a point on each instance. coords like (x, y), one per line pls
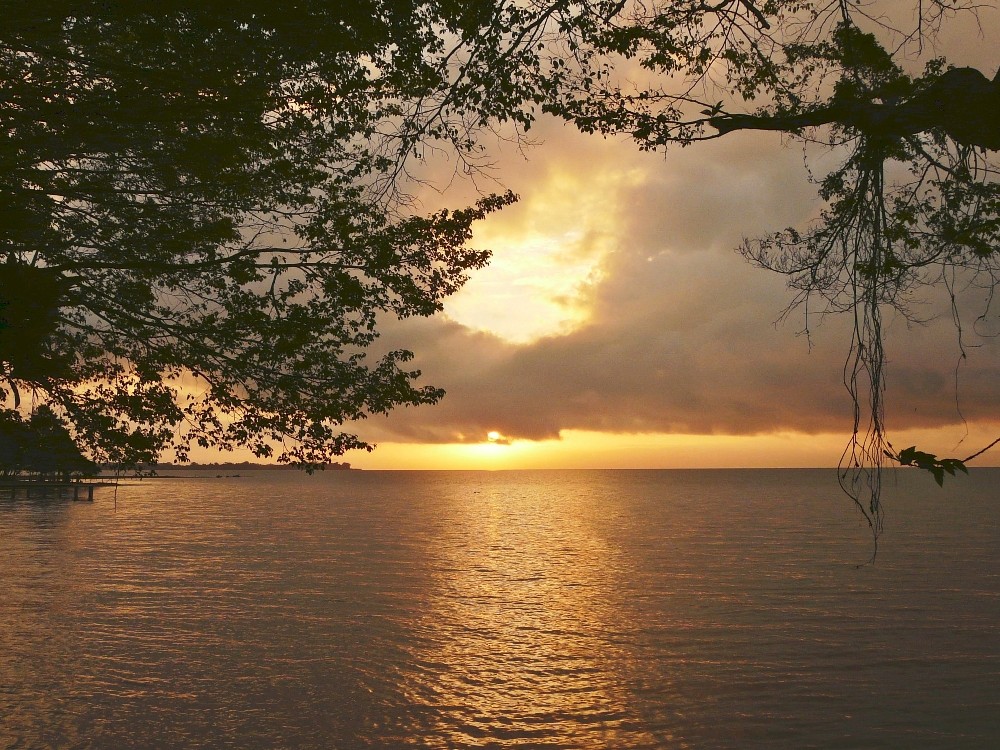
(617, 326)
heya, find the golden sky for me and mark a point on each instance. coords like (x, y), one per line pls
(616, 326)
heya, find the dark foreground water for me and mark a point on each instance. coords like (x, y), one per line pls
(617, 609)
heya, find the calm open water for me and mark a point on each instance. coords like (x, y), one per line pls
(569, 609)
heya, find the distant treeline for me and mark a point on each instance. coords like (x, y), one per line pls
(239, 466)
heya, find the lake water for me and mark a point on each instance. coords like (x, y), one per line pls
(565, 609)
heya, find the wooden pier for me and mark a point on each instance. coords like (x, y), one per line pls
(78, 491)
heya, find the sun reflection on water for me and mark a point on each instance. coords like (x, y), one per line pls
(525, 640)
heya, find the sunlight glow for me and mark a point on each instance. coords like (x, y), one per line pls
(579, 449)
(548, 252)
(531, 289)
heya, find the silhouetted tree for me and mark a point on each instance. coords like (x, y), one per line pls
(14, 439)
(201, 217)
(42, 445)
(50, 450)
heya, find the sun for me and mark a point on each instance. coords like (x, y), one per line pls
(493, 436)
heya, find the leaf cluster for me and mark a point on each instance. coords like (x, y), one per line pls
(928, 462)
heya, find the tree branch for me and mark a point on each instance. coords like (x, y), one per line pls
(962, 102)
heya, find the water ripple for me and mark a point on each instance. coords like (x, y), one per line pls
(523, 610)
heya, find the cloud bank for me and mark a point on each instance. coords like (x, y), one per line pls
(677, 333)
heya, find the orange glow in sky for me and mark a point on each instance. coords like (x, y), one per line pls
(588, 450)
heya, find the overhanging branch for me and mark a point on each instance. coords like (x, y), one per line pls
(962, 102)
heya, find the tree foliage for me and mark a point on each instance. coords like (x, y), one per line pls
(201, 217)
(40, 445)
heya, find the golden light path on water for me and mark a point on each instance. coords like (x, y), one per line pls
(524, 597)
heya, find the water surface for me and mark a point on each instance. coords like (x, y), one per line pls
(569, 609)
